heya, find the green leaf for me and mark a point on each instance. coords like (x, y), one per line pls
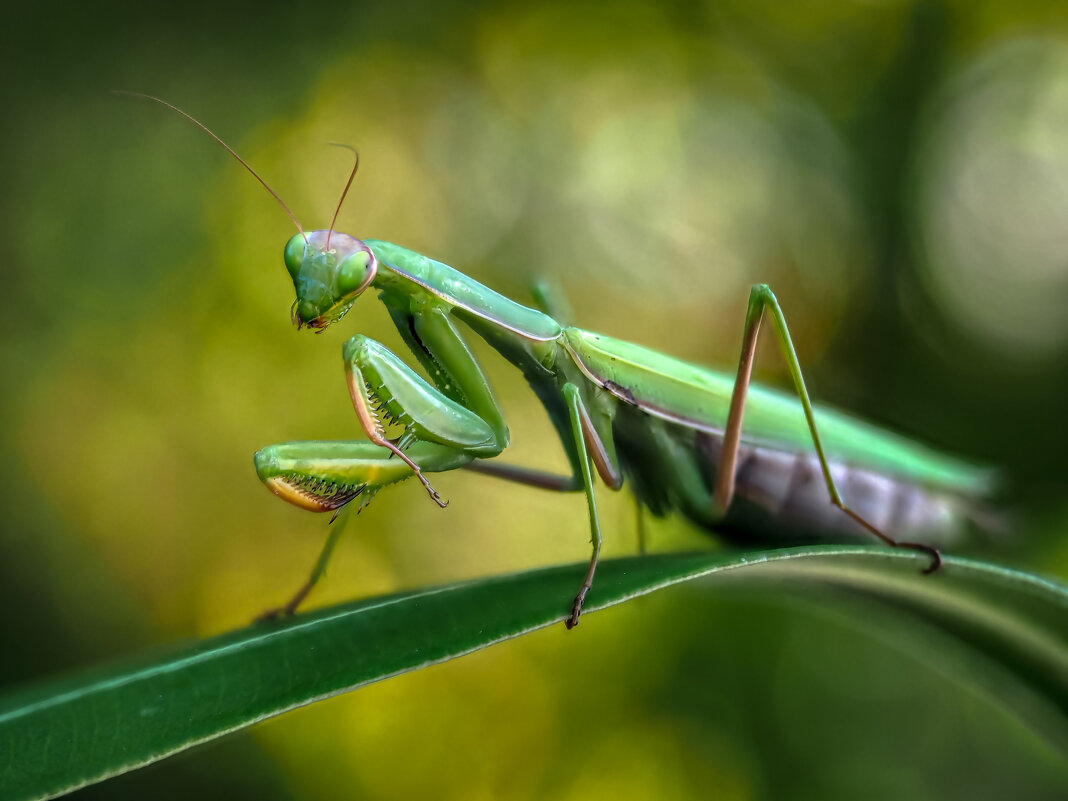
(62, 735)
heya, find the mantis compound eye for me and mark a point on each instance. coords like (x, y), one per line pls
(293, 255)
(356, 271)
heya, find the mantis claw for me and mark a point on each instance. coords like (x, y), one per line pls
(576, 609)
(277, 613)
(433, 492)
(269, 615)
(934, 553)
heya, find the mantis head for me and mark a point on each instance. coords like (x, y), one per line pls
(330, 270)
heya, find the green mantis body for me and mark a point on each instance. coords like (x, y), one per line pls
(673, 430)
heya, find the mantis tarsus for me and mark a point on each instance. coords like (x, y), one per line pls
(672, 429)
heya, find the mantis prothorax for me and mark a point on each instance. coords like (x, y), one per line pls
(673, 430)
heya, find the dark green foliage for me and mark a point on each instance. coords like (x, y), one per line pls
(79, 730)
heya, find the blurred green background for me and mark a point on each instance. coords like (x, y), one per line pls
(897, 171)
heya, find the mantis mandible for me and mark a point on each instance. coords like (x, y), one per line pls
(673, 430)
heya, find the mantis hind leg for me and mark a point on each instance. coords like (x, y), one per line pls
(761, 298)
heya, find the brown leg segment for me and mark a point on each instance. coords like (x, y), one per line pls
(525, 475)
(761, 297)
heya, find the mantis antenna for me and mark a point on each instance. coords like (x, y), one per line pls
(344, 191)
(231, 151)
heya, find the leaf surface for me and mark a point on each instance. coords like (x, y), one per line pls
(57, 736)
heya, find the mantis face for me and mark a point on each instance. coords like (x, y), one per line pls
(327, 280)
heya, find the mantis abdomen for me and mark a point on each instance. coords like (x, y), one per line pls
(780, 496)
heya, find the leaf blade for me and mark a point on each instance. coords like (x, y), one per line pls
(71, 732)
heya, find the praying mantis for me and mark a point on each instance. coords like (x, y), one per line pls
(625, 414)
